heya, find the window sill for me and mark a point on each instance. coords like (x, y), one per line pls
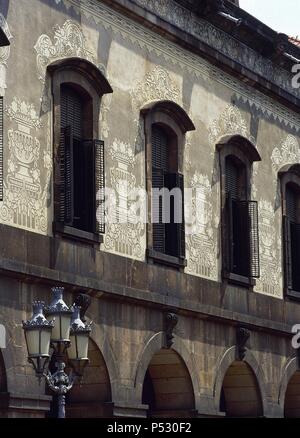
(293, 294)
(76, 234)
(165, 259)
(239, 280)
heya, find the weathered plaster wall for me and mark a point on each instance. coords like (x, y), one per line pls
(140, 67)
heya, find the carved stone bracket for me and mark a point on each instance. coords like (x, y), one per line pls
(83, 301)
(242, 336)
(171, 320)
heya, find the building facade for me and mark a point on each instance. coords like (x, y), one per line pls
(193, 320)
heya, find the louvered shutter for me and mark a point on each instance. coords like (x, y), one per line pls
(229, 245)
(1, 148)
(99, 185)
(241, 238)
(231, 178)
(71, 111)
(158, 228)
(291, 241)
(66, 177)
(181, 225)
(175, 231)
(159, 148)
(287, 252)
(159, 167)
(254, 239)
(295, 253)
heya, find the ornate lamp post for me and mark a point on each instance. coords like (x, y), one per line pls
(66, 334)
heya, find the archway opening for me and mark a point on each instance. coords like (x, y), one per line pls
(91, 398)
(240, 395)
(167, 388)
(292, 397)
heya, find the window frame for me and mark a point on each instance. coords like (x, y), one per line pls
(245, 153)
(289, 175)
(84, 76)
(174, 120)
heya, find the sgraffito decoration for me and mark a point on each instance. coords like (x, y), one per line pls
(124, 236)
(202, 238)
(270, 281)
(4, 52)
(287, 153)
(156, 85)
(24, 197)
(69, 41)
(230, 122)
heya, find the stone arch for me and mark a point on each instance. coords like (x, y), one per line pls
(242, 143)
(100, 339)
(289, 389)
(92, 397)
(174, 110)
(180, 356)
(86, 69)
(230, 358)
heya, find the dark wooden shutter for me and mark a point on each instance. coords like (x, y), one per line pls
(231, 178)
(99, 185)
(228, 253)
(159, 167)
(291, 204)
(66, 176)
(158, 228)
(159, 148)
(291, 241)
(241, 238)
(181, 225)
(71, 111)
(295, 253)
(287, 253)
(254, 239)
(175, 232)
(84, 192)
(1, 148)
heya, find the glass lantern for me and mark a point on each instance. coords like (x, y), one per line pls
(37, 332)
(79, 337)
(59, 310)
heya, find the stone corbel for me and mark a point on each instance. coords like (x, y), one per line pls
(171, 320)
(242, 336)
(83, 301)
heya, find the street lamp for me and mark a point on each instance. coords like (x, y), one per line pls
(62, 330)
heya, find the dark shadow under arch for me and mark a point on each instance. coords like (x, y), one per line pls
(240, 396)
(167, 388)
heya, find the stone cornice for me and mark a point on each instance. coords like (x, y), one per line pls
(232, 48)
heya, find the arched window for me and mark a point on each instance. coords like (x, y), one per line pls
(290, 190)
(240, 245)
(165, 126)
(79, 156)
(168, 232)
